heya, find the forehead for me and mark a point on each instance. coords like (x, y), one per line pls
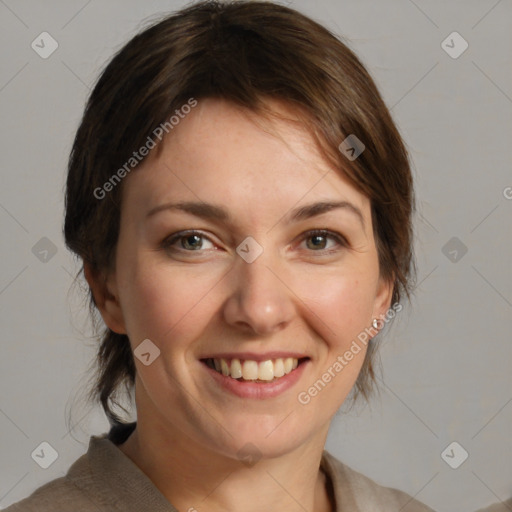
(225, 154)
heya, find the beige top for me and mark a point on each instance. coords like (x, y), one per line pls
(105, 479)
(503, 506)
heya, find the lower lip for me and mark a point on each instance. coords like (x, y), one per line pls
(259, 391)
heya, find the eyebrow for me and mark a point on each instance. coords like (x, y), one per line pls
(218, 213)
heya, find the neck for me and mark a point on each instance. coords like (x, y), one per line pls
(192, 477)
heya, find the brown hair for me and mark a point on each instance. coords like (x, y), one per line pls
(243, 52)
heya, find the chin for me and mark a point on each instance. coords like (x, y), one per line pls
(269, 438)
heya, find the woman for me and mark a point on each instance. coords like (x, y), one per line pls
(241, 200)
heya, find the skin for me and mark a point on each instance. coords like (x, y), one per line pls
(297, 295)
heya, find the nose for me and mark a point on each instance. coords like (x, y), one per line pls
(259, 301)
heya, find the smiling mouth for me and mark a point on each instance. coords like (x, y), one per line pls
(254, 371)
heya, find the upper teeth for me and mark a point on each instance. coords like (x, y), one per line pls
(252, 370)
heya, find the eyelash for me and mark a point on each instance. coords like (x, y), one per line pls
(169, 242)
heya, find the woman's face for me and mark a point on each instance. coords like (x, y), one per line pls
(284, 292)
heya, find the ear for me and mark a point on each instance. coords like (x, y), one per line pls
(383, 297)
(105, 295)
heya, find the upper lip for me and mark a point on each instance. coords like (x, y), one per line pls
(277, 354)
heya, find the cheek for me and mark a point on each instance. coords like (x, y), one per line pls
(162, 302)
(343, 305)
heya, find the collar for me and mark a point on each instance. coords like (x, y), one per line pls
(130, 490)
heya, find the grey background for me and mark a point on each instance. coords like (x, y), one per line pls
(446, 360)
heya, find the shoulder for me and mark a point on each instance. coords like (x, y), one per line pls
(59, 495)
(85, 485)
(356, 490)
(502, 506)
